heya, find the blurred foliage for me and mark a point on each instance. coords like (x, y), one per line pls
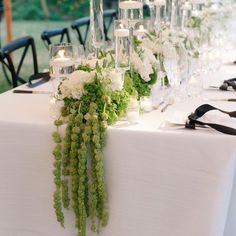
(27, 10)
(58, 9)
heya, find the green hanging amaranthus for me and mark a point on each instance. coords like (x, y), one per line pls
(79, 154)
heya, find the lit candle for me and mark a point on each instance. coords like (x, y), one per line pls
(159, 2)
(121, 32)
(130, 4)
(197, 1)
(140, 31)
(61, 60)
(187, 6)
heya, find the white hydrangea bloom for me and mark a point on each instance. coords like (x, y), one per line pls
(113, 78)
(73, 86)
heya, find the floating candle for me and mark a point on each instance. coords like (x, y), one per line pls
(140, 31)
(187, 6)
(61, 62)
(197, 1)
(159, 2)
(121, 32)
(130, 4)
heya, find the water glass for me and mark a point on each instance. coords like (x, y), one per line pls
(80, 54)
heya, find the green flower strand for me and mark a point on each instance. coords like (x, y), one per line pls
(98, 173)
(57, 152)
(75, 138)
(93, 183)
(83, 142)
(82, 185)
(65, 165)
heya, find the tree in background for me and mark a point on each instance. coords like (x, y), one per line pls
(53, 9)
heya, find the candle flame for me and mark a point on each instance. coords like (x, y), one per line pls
(61, 53)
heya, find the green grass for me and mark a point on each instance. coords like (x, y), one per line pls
(33, 28)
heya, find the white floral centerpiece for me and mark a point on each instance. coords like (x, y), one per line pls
(205, 22)
(93, 97)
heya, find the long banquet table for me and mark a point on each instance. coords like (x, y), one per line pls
(162, 180)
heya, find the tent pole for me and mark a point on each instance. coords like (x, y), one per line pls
(8, 17)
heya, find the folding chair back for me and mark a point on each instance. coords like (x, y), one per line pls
(61, 33)
(7, 56)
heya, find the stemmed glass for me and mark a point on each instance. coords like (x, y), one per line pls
(176, 68)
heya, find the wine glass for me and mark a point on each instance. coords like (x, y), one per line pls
(176, 68)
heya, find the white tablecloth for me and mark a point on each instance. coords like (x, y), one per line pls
(161, 181)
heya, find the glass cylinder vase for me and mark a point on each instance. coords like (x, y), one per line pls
(175, 14)
(159, 13)
(186, 10)
(96, 23)
(122, 45)
(130, 9)
(168, 11)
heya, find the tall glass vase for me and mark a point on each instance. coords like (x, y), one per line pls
(96, 24)
(185, 15)
(131, 9)
(175, 14)
(159, 13)
(168, 11)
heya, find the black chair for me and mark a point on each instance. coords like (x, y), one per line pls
(8, 54)
(78, 25)
(84, 23)
(62, 33)
(108, 15)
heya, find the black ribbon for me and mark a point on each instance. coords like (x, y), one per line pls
(202, 110)
(228, 83)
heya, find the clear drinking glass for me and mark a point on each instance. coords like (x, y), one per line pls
(80, 54)
(61, 59)
(176, 69)
(122, 45)
(131, 9)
